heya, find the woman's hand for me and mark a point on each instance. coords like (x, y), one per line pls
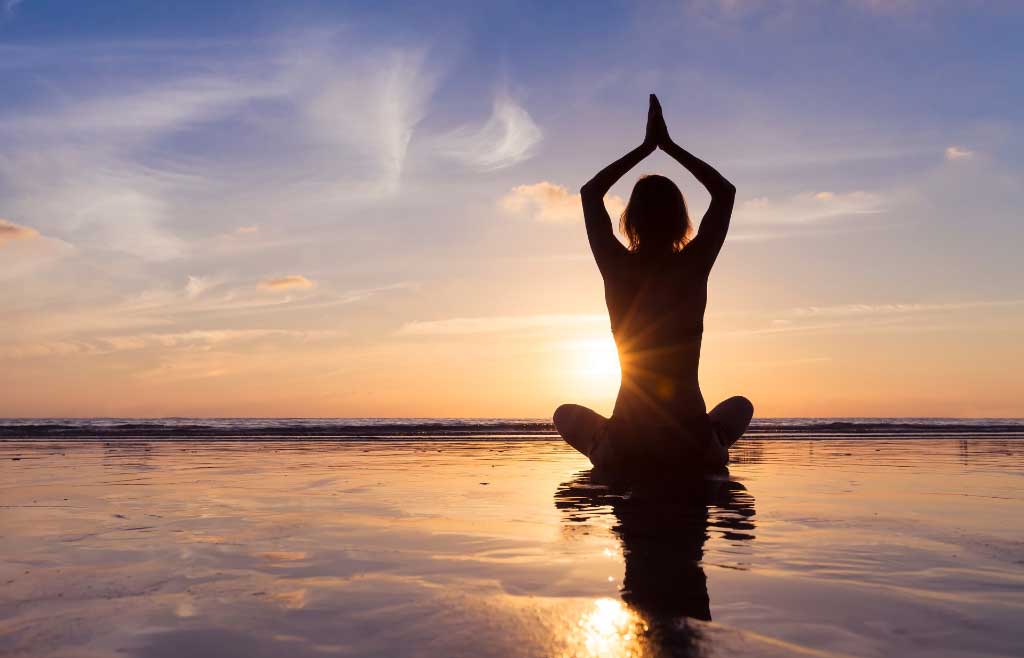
(598, 186)
(657, 131)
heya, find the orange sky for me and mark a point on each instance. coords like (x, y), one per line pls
(355, 214)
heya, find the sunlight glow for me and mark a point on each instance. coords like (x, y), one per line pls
(596, 360)
(608, 629)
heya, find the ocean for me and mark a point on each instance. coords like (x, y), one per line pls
(423, 537)
(472, 428)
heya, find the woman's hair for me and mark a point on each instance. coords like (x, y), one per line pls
(655, 217)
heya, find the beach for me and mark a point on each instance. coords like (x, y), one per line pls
(327, 328)
(494, 539)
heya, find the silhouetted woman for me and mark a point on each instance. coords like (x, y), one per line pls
(656, 291)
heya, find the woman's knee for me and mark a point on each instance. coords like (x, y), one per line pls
(562, 418)
(744, 407)
(575, 419)
(733, 416)
(736, 407)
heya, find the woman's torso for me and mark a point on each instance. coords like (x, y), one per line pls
(656, 307)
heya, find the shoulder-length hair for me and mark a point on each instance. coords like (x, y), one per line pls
(656, 218)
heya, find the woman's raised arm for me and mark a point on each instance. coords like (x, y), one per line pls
(715, 224)
(599, 225)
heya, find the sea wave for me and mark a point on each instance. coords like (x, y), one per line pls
(475, 428)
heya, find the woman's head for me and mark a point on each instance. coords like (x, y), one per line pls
(655, 219)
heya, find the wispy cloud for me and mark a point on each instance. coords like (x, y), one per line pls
(288, 282)
(205, 337)
(358, 295)
(202, 340)
(801, 361)
(509, 136)
(93, 163)
(501, 324)
(876, 318)
(371, 107)
(95, 197)
(145, 109)
(790, 9)
(887, 6)
(197, 285)
(808, 208)
(958, 153)
(202, 300)
(862, 310)
(548, 202)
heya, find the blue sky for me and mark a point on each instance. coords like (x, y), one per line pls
(316, 208)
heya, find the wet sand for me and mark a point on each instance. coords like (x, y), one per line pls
(865, 547)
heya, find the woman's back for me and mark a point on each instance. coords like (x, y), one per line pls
(656, 307)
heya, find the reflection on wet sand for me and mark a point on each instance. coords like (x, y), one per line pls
(420, 548)
(662, 529)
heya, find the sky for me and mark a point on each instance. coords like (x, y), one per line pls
(371, 209)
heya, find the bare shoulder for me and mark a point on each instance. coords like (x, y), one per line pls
(691, 256)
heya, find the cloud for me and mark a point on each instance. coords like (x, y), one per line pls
(195, 340)
(90, 323)
(42, 350)
(958, 153)
(74, 161)
(500, 324)
(96, 198)
(145, 109)
(775, 363)
(99, 162)
(808, 207)
(288, 282)
(859, 310)
(509, 136)
(10, 231)
(205, 337)
(359, 295)
(738, 9)
(371, 107)
(196, 285)
(110, 213)
(24, 250)
(548, 202)
(886, 6)
(878, 317)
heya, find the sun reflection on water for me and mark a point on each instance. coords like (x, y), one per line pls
(606, 629)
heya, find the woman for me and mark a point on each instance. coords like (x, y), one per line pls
(656, 291)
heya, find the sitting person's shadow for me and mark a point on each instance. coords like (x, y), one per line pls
(663, 529)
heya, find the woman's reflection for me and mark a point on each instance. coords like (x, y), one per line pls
(663, 529)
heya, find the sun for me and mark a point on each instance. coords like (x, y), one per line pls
(596, 361)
